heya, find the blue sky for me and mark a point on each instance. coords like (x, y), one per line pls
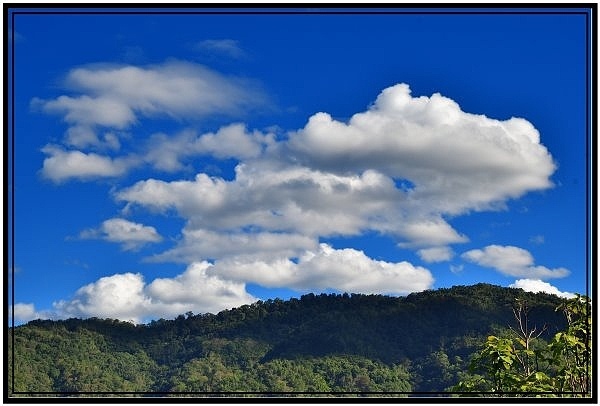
(194, 162)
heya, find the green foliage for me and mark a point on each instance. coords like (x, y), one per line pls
(570, 350)
(437, 372)
(318, 343)
(209, 374)
(327, 374)
(523, 363)
(58, 360)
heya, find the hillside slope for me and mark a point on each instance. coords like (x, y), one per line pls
(320, 343)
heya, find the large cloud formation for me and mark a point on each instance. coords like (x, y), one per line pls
(333, 178)
(457, 161)
(399, 169)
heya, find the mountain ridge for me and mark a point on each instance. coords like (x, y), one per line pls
(384, 333)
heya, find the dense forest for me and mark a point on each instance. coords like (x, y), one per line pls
(330, 344)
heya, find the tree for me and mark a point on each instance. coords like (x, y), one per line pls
(571, 349)
(523, 363)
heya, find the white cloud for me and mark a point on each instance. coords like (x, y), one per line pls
(81, 136)
(332, 178)
(86, 111)
(204, 287)
(347, 270)
(429, 231)
(117, 97)
(338, 178)
(61, 165)
(279, 199)
(536, 285)
(327, 179)
(436, 254)
(119, 296)
(234, 141)
(175, 88)
(512, 261)
(166, 152)
(127, 297)
(294, 185)
(457, 161)
(200, 244)
(163, 152)
(23, 312)
(131, 235)
(197, 290)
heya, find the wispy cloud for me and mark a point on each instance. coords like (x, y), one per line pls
(537, 239)
(227, 47)
(118, 96)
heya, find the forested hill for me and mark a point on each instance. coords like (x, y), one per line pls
(326, 342)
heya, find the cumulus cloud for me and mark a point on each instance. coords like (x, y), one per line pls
(512, 261)
(335, 178)
(119, 296)
(536, 285)
(436, 254)
(61, 165)
(197, 289)
(457, 161)
(127, 296)
(205, 287)
(279, 199)
(347, 270)
(131, 235)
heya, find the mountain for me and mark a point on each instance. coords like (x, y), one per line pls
(318, 343)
